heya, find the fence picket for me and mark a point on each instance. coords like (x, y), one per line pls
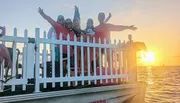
(94, 61)
(37, 85)
(88, 60)
(116, 69)
(61, 61)
(100, 62)
(68, 63)
(82, 60)
(105, 57)
(75, 60)
(44, 61)
(111, 62)
(14, 59)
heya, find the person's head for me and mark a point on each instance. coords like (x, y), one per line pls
(60, 19)
(76, 22)
(68, 24)
(101, 17)
(130, 37)
(90, 23)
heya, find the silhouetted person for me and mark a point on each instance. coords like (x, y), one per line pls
(130, 39)
(103, 31)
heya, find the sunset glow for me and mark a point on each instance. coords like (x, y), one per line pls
(148, 57)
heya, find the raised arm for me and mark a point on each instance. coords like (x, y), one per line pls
(76, 13)
(49, 19)
(108, 18)
(112, 27)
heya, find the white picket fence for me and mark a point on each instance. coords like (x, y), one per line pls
(34, 54)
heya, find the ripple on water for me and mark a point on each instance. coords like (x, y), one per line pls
(163, 84)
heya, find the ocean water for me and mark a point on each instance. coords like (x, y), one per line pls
(163, 84)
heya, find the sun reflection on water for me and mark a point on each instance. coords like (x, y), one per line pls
(149, 76)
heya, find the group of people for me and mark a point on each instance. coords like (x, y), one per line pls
(67, 26)
(72, 27)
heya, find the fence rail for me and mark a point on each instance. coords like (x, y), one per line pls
(85, 62)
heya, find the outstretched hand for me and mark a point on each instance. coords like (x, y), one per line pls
(132, 27)
(40, 10)
(110, 15)
(76, 8)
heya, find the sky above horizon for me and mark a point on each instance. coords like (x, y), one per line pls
(158, 21)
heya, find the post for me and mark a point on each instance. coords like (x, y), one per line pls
(14, 59)
(37, 85)
(25, 59)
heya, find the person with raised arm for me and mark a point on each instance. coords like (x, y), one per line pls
(65, 30)
(76, 22)
(52, 31)
(103, 31)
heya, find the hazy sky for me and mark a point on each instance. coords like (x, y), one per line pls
(158, 21)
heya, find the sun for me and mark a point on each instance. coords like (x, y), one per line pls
(148, 57)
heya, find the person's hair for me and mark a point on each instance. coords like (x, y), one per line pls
(90, 20)
(60, 16)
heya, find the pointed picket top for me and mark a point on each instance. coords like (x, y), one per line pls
(120, 41)
(94, 40)
(60, 36)
(68, 37)
(75, 38)
(110, 41)
(81, 38)
(87, 39)
(104, 40)
(15, 31)
(114, 41)
(37, 32)
(53, 36)
(99, 40)
(44, 33)
(25, 33)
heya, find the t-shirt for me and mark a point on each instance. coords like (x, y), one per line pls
(103, 31)
(61, 29)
